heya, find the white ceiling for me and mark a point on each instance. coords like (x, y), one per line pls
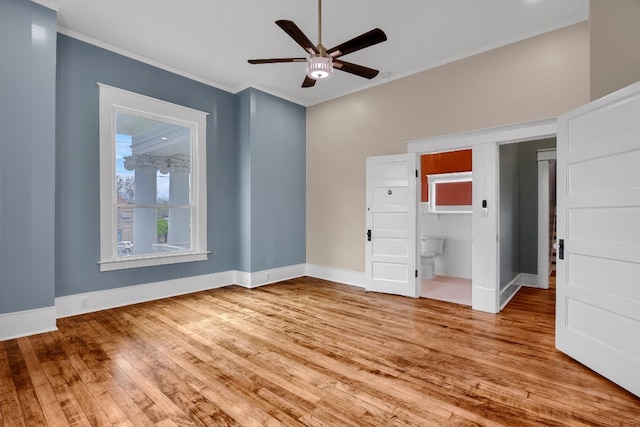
(211, 40)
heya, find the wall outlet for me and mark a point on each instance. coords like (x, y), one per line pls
(84, 303)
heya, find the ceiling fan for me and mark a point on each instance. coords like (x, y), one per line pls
(322, 62)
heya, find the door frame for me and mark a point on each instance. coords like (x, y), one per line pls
(544, 158)
(485, 250)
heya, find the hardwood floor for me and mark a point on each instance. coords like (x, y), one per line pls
(305, 352)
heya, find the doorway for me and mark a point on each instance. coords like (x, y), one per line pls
(485, 234)
(444, 226)
(519, 209)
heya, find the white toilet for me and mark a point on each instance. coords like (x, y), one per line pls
(430, 247)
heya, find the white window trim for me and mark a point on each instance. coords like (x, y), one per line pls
(113, 100)
(446, 178)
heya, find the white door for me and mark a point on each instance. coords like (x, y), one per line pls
(391, 225)
(598, 266)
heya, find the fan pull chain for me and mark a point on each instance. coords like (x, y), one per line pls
(319, 22)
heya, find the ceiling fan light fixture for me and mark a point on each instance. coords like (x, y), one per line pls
(319, 67)
(320, 61)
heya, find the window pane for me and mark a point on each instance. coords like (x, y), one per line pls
(174, 230)
(156, 230)
(153, 161)
(453, 193)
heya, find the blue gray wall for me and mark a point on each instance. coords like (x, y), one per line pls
(49, 166)
(272, 158)
(509, 214)
(528, 169)
(27, 152)
(275, 149)
(80, 67)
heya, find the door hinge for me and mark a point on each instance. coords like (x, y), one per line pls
(369, 235)
(416, 273)
(416, 173)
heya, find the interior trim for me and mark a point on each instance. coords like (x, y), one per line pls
(27, 322)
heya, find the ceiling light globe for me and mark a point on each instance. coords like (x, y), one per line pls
(319, 67)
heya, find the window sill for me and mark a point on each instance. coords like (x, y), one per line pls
(450, 213)
(149, 261)
(452, 209)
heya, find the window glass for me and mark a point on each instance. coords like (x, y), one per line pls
(153, 168)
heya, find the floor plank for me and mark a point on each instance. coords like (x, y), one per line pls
(306, 352)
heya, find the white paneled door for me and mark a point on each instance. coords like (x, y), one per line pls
(391, 225)
(598, 266)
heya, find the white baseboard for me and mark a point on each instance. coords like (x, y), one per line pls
(19, 324)
(484, 299)
(508, 293)
(348, 277)
(28, 322)
(522, 279)
(73, 305)
(265, 277)
(530, 280)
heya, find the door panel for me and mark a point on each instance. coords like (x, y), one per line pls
(389, 196)
(605, 224)
(598, 290)
(388, 271)
(623, 171)
(598, 322)
(391, 220)
(390, 246)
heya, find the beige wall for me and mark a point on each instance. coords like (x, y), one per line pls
(537, 78)
(615, 45)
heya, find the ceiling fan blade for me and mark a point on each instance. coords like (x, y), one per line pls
(297, 35)
(276, 60)
(367, 39)
(308, 82)
(358, 70)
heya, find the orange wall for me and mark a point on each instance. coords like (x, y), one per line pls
(451, 161)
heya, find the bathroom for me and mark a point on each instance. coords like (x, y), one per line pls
(444, 226)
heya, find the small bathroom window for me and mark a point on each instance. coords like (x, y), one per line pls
(450, 192)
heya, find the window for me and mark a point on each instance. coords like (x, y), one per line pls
(450, 192)
(152, 181)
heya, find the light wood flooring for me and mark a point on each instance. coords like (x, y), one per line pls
(306, 352)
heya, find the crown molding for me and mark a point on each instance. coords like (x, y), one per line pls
(141, 58)
(51, 4)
